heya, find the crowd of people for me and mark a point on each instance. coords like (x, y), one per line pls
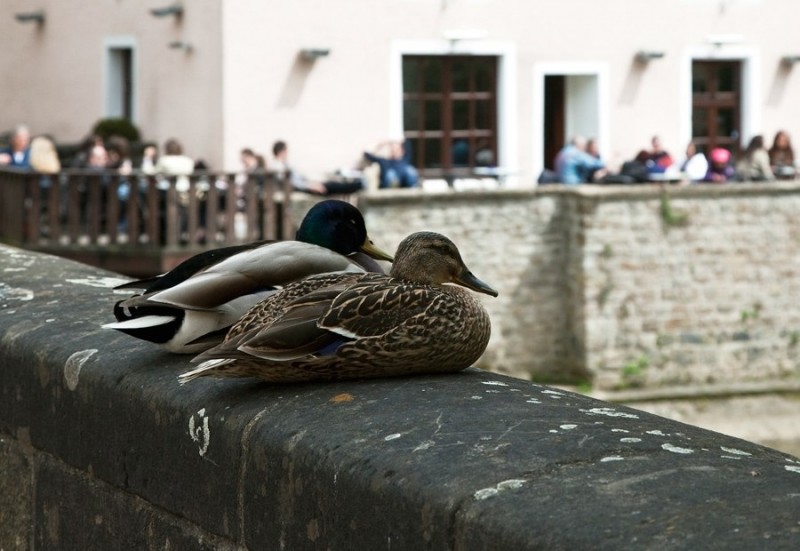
(39, 154)
(579, 162)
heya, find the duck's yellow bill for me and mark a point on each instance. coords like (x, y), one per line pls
(369, 248)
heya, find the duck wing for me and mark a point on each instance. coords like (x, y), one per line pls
(285, 325)
(189, 267)
(253, 271)
(373, 308)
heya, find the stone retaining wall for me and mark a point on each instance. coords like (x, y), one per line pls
(627, 287)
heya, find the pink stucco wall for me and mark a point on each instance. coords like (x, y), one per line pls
(243, 84)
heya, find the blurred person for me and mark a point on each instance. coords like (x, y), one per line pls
(149, 158)
(174, 163)
(658, 159)
(280, 152)
(754, 166)
(396, 169)
(43, 155)
(694, 165)
(574, 165)
(720, 169)
(17, 153)
(781, 156)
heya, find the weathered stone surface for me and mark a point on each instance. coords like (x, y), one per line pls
(16, 496)
(469, 461)
(75, 511)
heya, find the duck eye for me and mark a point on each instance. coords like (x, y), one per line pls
(352, 221)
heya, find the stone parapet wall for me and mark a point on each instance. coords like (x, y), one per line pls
(629, 287)
(102, 448)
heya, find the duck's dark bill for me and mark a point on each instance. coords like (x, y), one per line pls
(471, 282)
(369, 248)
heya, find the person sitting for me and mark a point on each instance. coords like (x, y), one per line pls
(43, 156)
(175, 163)
(754, 166)
(280, 152)
(781, 156)
(720, 169)
(694, 166)
(574, 165)
(396, 169)
(658, 160)
(18, 152)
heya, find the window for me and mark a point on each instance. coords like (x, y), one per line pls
(716, 104)
(450, 113)
(120, 92)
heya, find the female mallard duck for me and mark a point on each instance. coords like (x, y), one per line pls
(345, 325)
(190, 308)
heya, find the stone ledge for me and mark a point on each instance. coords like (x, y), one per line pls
(467, 461)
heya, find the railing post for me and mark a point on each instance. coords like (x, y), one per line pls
(287, 227)
(12, 207)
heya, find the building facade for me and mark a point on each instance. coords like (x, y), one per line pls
(469, 83)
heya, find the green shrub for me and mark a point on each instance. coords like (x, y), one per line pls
(106, 128)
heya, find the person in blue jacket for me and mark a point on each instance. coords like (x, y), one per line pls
(574, 164)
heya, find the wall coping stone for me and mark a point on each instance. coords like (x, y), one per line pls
(599, 192)
(466, 461)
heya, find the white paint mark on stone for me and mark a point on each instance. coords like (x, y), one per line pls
(612, 458)
(554, 431)
(569, 427)
(656, 433)
(734, 451)
(511, 484)
(476, 397)
(492, 391)
(730, 457)
(532, 401)
(93, 281)
(610, 412)
(485, 493)
(199, 431)
(394, 436)
(792, 468)
(50, 320)
(73, 366)
(14, 269)
(553, 392)
(675, 449)
(630, 440)
(427, 444)
(493, 383)
(619, 430)
(15, 293)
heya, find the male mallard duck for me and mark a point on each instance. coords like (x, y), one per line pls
(346, 325)
(190, 308)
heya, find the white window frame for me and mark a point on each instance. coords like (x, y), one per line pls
(541, 70)
(109, 99)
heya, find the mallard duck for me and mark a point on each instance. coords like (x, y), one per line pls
(345, 325)
(191, 308)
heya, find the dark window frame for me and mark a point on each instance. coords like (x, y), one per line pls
(421, 133)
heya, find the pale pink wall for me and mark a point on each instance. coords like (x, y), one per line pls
(244, 68)
(53, 76)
